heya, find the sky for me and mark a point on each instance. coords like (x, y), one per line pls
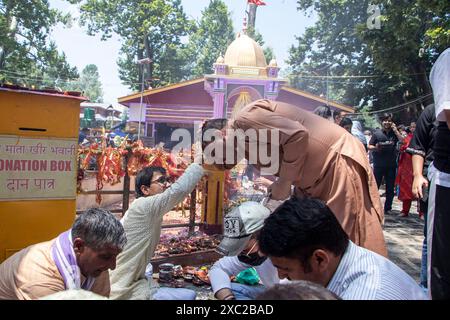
(278, 22)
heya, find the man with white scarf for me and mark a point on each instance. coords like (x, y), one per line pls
(78, 259)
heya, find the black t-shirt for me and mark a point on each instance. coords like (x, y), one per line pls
(441, 148)
(387, 154)
(424, 137)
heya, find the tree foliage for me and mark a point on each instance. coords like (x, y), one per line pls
(437, 31)
(148, 29)
(388, 65)
(27, 57)
(90, 84)
(214, 32)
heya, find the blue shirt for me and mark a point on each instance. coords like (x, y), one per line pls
(365, 275)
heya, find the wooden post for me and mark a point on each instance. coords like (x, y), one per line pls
(192, 207)
(126, 185)
(192, 210)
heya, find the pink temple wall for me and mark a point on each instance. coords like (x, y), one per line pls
(193, 94)
(183, 99)
(300, 101)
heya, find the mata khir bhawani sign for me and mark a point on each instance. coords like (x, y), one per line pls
(37, 168)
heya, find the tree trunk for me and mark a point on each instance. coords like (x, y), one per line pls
(140, 55)
(251, 15)
(422, 78)
(3, 53)
(11, 33)
(149, 54)
(126, 185)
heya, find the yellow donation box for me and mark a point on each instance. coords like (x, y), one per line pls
(38, 166)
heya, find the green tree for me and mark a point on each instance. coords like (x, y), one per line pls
(329, 48)
(388, 65)
(404, 45)
(269, 54)
(370, 120)
(437, 33)
(214, 32)
(90, 84)
(148, 29)
(27, 57)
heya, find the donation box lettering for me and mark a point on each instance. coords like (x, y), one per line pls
(37, 168)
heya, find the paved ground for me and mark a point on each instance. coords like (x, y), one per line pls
(404, 238)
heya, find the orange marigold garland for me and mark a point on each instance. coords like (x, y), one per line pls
(110, 162)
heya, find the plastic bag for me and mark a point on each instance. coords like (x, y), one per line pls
(248, 276)
(149, 271)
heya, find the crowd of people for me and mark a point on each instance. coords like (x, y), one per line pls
(324, 241)
(390, 156)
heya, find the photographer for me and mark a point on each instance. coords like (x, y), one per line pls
(383, 145)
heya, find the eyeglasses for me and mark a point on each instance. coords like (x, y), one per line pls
(161, 180)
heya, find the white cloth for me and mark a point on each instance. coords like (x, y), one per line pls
(220, 272)
(66, 262)
(432, 175)
(174, 294)
(74, 294)
(366, 275)
(441, 178)
(357, 131)
(440, 82)
(142, 224)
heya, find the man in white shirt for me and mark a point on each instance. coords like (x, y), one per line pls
(305, 241)
(142, 224)
(439, 175)
(240, 248)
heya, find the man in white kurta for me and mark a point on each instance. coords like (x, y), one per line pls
(142, 224)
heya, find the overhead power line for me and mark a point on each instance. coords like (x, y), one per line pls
(21, 76)
(400, 106)
(358, 76)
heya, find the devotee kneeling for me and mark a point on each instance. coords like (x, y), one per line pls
(77, 259)
(304, 241)
(240, 248)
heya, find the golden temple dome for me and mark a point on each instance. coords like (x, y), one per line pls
(245, 52)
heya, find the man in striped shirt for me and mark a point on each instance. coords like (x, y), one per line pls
(304, 241)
